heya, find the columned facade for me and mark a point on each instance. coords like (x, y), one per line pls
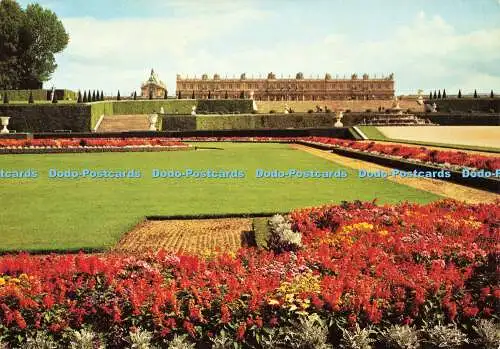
(280, 89)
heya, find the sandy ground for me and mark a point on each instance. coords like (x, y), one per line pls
(196, 236)
(485, 136)
(443, 188)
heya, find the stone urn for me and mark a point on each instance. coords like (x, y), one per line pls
(152, 118)
(338, 116)
(5, 122)
(193, 110)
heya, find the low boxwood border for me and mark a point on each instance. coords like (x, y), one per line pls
(7, 151)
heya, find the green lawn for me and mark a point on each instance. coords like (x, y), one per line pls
(69, 214)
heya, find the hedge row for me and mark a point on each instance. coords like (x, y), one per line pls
(248, 121)
(47, 117)
(467, 104)
(38, 95)
(224, 106)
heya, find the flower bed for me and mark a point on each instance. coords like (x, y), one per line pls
(357, 264)
(87, 144)
(445, 158)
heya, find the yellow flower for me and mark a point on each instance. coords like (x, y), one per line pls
(2, 281)
(273, 302)
(383, 233)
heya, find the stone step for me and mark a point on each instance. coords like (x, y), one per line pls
(120, 123)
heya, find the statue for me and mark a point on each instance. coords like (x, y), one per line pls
(338, 116)
(152, 118)
(193, 110)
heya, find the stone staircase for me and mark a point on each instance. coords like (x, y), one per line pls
(122, 123)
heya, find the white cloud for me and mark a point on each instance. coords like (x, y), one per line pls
(426, 53)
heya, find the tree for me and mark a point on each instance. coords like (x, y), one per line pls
(475, 94)
(439, 94)
(242, 95)
(430, 95)
(102, 95)
(30, 98)
(135, 95)
(79, 100)
(54, 98)
(118, 96)
(491, 94)
(179, 95)
(444, 93)
(435, 95)
(5, 98)
(459, 94)
(11, 26)
(28, 41)
(165, 95)
(85, 100)
(209, 95)
(192, 95)
(93, 96)
(150, 94)
(226, 96)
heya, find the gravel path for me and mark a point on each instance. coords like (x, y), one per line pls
(197, 236)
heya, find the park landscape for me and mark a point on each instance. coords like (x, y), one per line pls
(179, 221)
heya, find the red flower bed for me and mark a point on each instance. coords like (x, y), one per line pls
(360, 263)
(451, 157)
(90, 142)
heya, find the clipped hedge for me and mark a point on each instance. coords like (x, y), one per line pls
(224, 106)
(484, 104)
(47, 117)
(248, 121)
(152, 106)
(23, 95)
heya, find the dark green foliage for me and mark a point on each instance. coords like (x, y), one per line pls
(475, 94)
(430, 95)
(439, 94)
(85, 99)
(459, 94)
(226, 96)
(242, 94)
(150, 94)
(444, 93)
(102, 95)
(135, 95)
(79, 100)
(224, 105)
(5, 98)
(93, 96)
(491, 94)
(180, 95)
(435, 95)
(27, 47)
(165, 95)
(89, 97)
(118, 96)
(193, 96)
(30, 99)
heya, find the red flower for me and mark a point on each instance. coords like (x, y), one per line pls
(240, 332)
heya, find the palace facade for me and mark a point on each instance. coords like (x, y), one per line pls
(279, 89)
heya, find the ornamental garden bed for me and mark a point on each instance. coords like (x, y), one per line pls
(89, 145)
(456, 175)
(357, 274)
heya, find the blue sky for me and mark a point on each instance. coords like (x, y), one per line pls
(428, 44)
